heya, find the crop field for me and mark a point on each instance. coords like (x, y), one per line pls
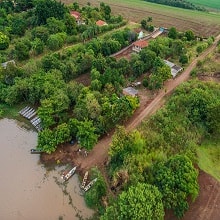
(203, 24)
(211, 4)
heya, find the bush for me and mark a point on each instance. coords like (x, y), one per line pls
(56, 41)
(183, 59)
(4, 41)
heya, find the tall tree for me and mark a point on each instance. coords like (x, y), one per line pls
(177, 181)
(140, 202)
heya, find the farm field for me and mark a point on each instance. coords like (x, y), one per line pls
(211, 4)
(203, 24)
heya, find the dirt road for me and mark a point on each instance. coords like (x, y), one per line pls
(99, 153)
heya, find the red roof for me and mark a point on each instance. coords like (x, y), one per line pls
(100, 23)
(75, 14)
(141, 43)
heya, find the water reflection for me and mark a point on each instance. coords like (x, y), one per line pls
(29, 191)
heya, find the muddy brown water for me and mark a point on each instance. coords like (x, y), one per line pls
(29, 191)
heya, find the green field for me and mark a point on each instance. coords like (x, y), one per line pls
(209, 157)
(211, 4)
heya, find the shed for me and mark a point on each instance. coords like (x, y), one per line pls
(130, 91)
(174, 68)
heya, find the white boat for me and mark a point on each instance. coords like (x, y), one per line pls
(86, 188)
(65, 177)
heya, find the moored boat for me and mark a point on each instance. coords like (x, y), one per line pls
(84, 180)
(65, 177)
(87, 187)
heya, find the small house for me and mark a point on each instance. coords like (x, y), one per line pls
(139, 45)
(130, 91)
(101, 23)
(77, 16)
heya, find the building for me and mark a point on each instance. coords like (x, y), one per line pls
(77, 16)
(139, 45)
(130, 91)
(101, 23)
(174, 68)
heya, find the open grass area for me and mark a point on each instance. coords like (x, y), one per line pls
(9, 112)
(209, 157)
(212, 4)
(202, 23)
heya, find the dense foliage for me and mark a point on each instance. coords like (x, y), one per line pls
(142, 201)
(161, 152)
(176, 179)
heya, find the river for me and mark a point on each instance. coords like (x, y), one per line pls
(29, 191)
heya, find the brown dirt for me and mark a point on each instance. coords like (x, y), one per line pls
(209, 199)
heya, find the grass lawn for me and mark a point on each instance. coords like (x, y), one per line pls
(209, 157)
(9, 112)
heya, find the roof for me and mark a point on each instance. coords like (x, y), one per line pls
(174, 68)
(101, 23)
(140, 43)
(168, 63)
(130, 91)
(75, 14)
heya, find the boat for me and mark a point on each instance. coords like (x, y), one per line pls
(84, 180)
(65, 177)
(36, 151)
(86, 188)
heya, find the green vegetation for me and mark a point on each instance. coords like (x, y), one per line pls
(209, 157)
(94, 196)
(163, 150)
(177, 3)
(210, 4)
(142, 201)
(191, 19)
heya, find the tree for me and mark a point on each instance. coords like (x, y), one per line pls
(38, 46)
(55, 26)
(148, 57)
(45, 9)
(86, 134)
(177, 181)
(56, 41)
(18, 26)
(62, 133)
(189, 35)
(4, 41)
(140, 202)
(143, 23)
(40, 32)
(183, 59)
(46, 141)
(22, 49)
(172, 33)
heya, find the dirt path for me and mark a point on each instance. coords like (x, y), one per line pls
(99, 154)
